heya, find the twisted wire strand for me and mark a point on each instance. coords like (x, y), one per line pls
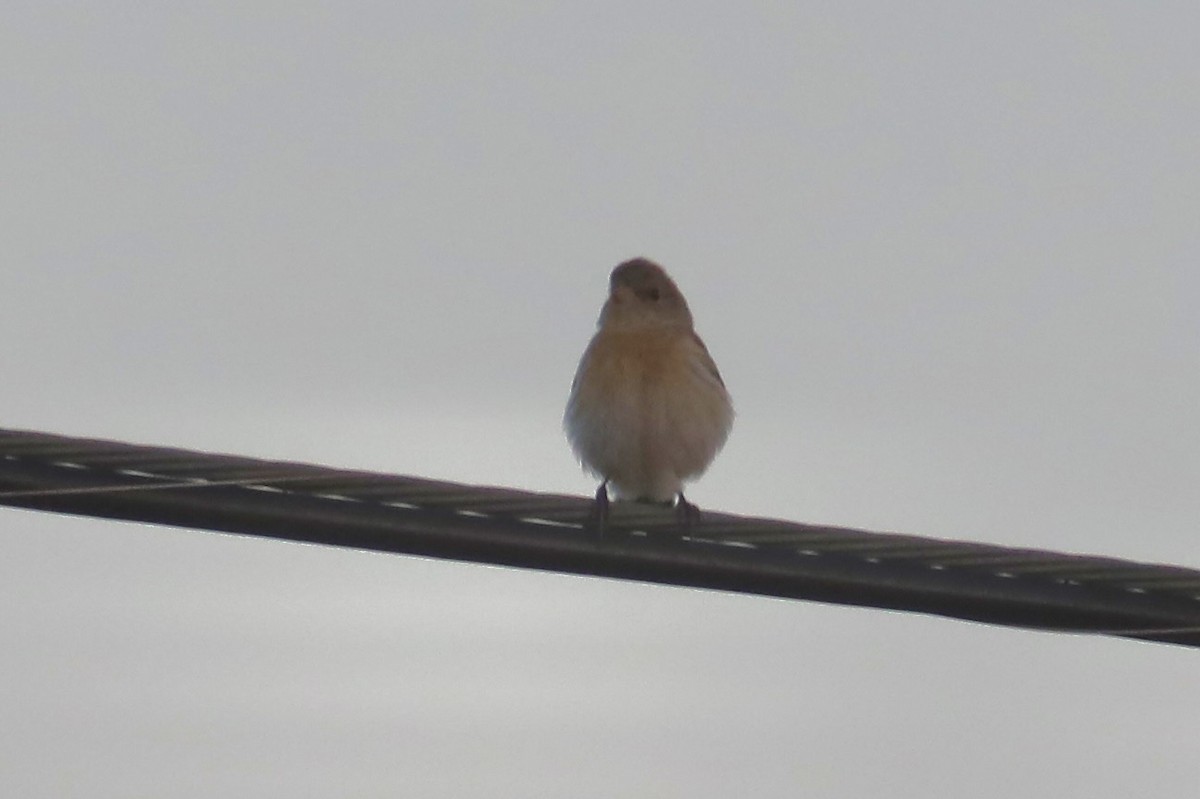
(404, 514)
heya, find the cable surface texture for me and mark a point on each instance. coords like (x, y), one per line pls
(409, 515)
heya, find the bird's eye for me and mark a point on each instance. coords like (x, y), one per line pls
(652, 294)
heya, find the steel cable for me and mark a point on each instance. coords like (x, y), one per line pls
(401, 514)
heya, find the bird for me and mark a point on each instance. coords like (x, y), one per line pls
(648, 410)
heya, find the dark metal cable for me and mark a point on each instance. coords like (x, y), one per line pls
(388, 513)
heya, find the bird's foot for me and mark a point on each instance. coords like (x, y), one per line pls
(687, 515)
(597, 520)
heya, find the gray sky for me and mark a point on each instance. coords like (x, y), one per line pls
(944, 254)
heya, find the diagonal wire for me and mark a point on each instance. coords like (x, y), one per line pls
(413, 515)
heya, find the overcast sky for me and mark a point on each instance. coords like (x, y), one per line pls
(944, 254)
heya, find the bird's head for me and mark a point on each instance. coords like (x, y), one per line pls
(641, 294)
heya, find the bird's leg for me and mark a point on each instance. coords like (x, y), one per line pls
(686, 514)
(597, 519)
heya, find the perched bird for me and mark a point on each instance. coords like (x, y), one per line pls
(648, 409)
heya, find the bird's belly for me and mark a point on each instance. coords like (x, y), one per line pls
(647, 423)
